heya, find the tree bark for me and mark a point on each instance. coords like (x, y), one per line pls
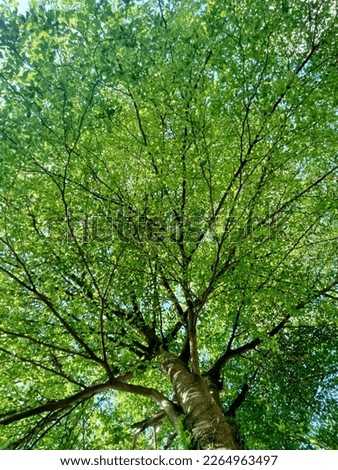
(203, 414)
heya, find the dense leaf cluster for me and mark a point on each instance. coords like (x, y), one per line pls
(168, 183)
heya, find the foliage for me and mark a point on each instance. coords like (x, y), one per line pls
(168, 174)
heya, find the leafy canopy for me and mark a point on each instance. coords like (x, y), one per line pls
(161, 157)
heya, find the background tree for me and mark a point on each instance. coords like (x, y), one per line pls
(168, 234)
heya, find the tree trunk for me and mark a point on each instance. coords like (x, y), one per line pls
(204, 417)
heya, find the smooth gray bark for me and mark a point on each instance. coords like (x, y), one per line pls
(203, 414)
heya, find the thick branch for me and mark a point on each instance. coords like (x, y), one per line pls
(44, 299)
(54, 405)
(239, 400)
(215, 370)
(167, 405)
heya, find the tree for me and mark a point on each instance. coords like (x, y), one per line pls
(168, 239)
